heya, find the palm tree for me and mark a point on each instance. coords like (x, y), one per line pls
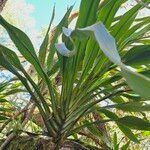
(88, 67)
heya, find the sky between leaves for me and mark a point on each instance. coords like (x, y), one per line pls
(32, 16)
(43, 8)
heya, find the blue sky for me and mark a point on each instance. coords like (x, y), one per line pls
(43, 9)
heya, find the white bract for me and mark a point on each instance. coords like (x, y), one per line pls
(63, 50)
(105, 41)
(139, 83)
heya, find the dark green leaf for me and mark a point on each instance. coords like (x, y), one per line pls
(3, 118)
(128, 132)
(135, 123)
(131, 107)
(138, 55)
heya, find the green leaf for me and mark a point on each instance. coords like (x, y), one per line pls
(8, 66)
(3, 100)
(107, 12)
(126, 146)
(93, 129)
(128, 132)
(23, 44)
(13, 91)
(57, 32)
(109, 114)
(138, 82)
(2, 109)
(135, 123)
(131, 107)
(115, 143)
(3, 118)
(146, 73)
(125, 21)
(122, 127)
(136, 36)
(3, 86)
(132, 96)
(11, 57)
(87, 15)
(20, 39)
(138, 55)
(133, 29)
(98, 133)
(44, 45)
(77, 129)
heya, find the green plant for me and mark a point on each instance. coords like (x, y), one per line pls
(86, 69)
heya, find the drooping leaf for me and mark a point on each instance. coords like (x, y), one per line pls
(108, 46)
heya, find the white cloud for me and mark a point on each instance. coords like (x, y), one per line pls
(19, 14)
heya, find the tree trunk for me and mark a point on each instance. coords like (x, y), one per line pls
(2, 4)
